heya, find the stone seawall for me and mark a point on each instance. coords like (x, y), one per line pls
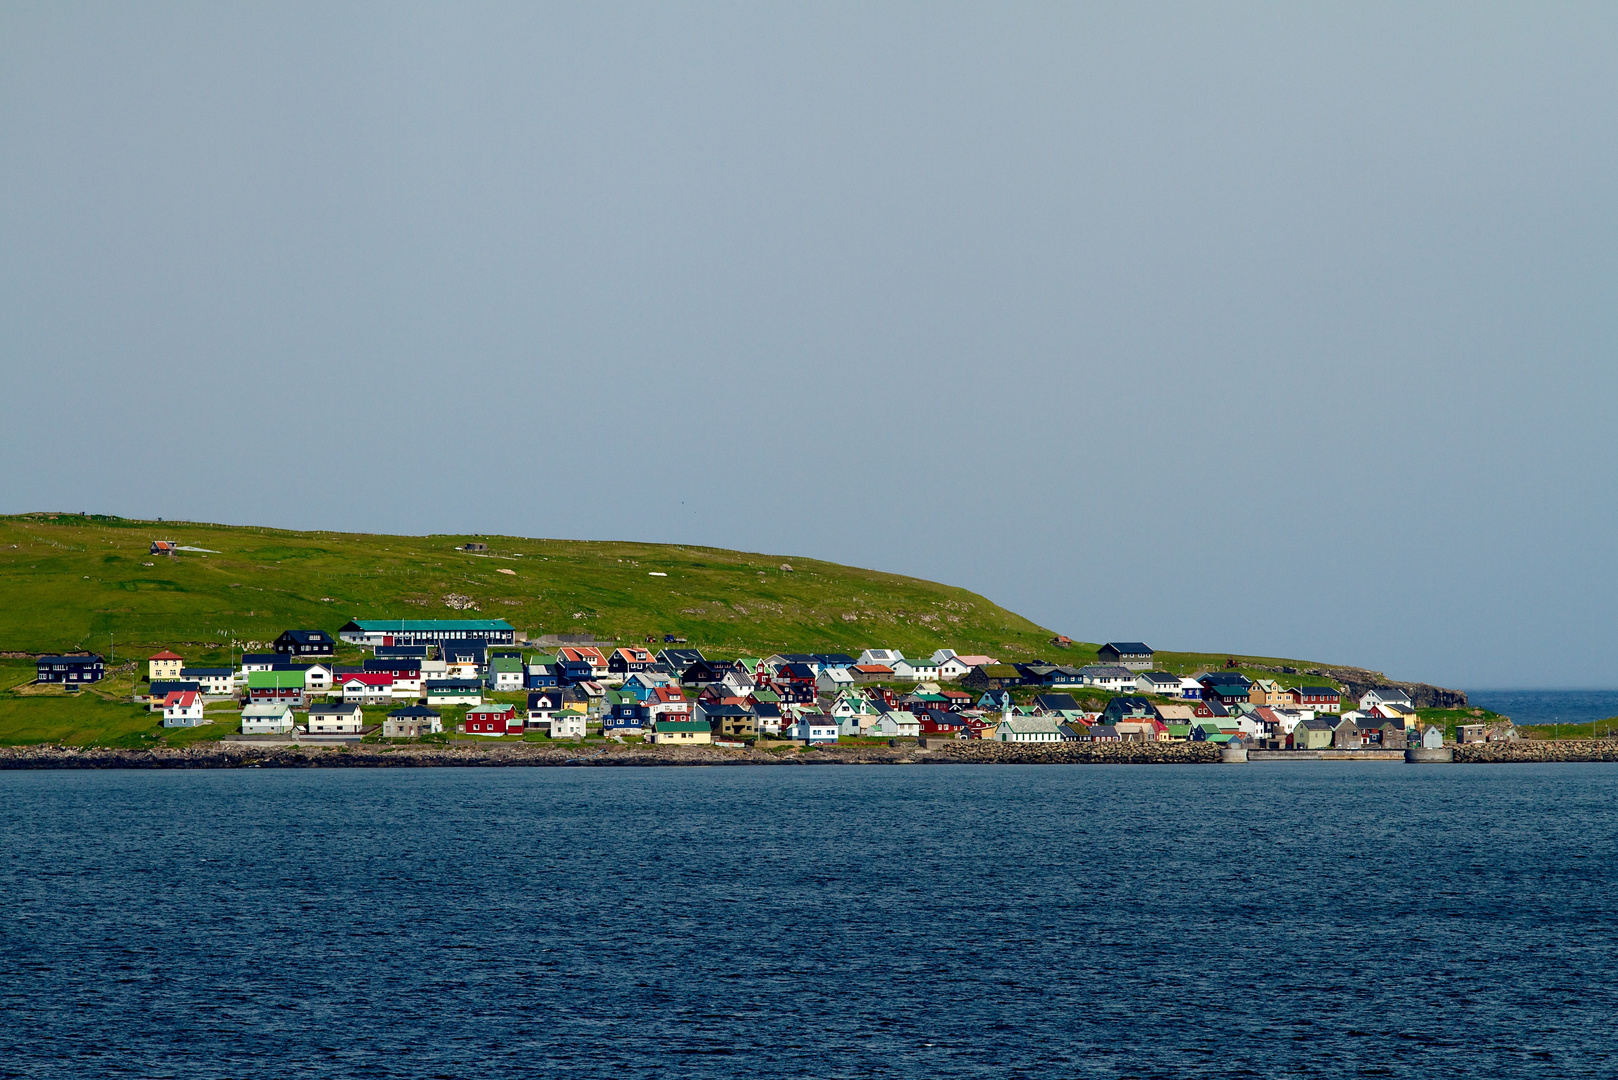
(1525, 750)
(499, 755)
(1076, 753)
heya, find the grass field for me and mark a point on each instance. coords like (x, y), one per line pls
(73, 582)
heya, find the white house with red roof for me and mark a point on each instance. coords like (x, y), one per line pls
(668, 703)
(183, 708)
(368, 688)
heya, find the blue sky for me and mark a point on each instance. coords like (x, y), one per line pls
(1239, 327)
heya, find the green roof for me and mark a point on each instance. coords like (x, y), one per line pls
(1179, 729)
(274, 680)
(767, 695)
(683, 725)
(404, 626)
(506, 663)
(542, 658)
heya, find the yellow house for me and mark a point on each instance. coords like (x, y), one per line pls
(165, 665)
(682, 732)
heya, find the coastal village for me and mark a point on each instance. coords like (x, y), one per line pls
(481, 679)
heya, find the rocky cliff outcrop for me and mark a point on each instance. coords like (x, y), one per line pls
(1358, 680)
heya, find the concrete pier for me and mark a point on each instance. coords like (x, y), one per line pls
(1430, 755)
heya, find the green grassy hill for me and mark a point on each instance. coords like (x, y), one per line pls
(71, 582)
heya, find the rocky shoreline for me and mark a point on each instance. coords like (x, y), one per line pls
(497, 755)
(507, 755)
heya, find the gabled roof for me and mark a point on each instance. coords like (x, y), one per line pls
(1030, 725)
(413, 711)
(1106, 671)
(333, 710)
(1129, 648)
(182, 699)
(165, 655)
(317, 637)
(1055, 701)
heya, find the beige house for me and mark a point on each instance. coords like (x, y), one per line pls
(165, 665)
(682, 733)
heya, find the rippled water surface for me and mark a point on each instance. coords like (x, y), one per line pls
(1548, 706)
(1298, 919)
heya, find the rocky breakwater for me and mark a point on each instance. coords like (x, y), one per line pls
(1525, 750)
(983, 751)
(519, 755)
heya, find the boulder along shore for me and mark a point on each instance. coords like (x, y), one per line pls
(503, 755)
(496, 755)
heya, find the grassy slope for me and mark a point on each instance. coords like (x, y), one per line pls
(70, 582)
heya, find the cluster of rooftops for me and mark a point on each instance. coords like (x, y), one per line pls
(680, 694)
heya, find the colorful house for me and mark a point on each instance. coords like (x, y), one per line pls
(183, 708)
(682, 733)
(493, 720)
(164, 665)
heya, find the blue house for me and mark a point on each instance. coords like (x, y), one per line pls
(995, 701)
(542, 674)
(306, 643)
(573, 671)
(834, 660)
(70, 669)
(624, 715)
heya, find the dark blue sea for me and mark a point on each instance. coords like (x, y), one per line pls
(1268, 920)
(1548, 706)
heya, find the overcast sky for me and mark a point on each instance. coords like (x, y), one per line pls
(1275, 329)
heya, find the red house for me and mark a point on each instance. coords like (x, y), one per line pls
(493, 720)
(1318, 698)
(978, 728)
(942, 722)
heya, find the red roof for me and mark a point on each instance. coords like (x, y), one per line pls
(182, 698)
(370, 678)
(166, 655)
(873, 669)
(635, 656)
(669, 693)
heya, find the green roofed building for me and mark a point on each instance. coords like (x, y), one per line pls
(285, 687)
(373, 632)
(682, 732)
(505, 673)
